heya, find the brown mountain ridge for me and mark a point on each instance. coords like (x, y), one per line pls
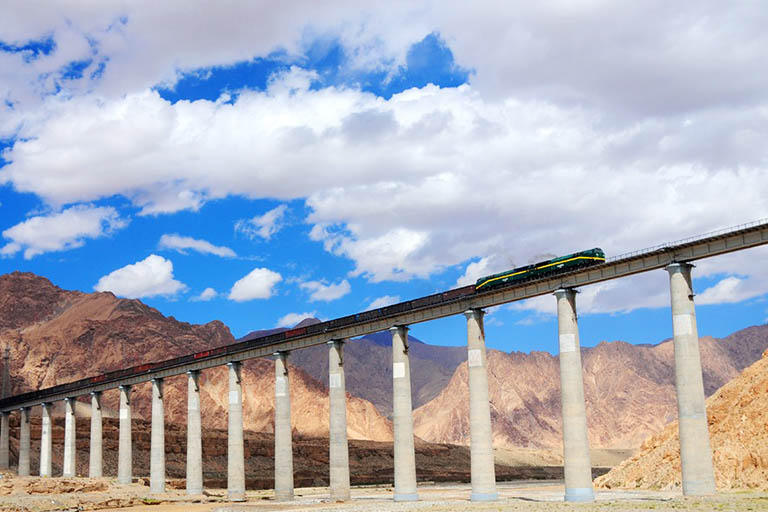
(58, 336)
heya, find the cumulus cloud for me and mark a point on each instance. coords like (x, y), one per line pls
(292, 319)
(61, 231)
(181, 243)
(385, 300)
(323, 291)
(257, 284)
(263, 226)
(206, 295)
(647, 132)
(150, 277)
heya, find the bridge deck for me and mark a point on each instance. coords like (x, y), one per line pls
(711, 244)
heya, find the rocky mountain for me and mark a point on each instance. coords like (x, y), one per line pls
(58, 336)
(368, 368)
(738, 428)
(629, 392)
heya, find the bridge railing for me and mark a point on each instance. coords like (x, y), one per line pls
(688, 240)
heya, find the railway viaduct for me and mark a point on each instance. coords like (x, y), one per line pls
(675, 258)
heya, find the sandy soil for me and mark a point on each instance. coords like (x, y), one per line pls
(45, 495)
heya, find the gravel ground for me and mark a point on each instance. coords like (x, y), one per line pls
(514, 496)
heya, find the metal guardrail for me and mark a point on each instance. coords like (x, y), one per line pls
(684, 241)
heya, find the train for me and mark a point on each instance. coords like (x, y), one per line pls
(541, 269)
(514, 276)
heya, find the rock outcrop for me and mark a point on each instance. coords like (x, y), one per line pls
(738, 426)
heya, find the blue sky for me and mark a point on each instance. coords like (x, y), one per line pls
(343, 158)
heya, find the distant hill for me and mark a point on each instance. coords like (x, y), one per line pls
(58, 336)
(629, 392)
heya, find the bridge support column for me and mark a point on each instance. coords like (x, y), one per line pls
(339, 448)
(283, 441)
(70, 439)
(24, 442)
(125, 449)
(235, 452)
(46, 441)
(194, 435)
(695, 450)
(576, 458)
(5, 440)
(157, 440)
(481, 437)
(95, 456)
(402, 413)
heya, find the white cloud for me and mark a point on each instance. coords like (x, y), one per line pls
(385, 300)
(733, 289)
(652, 125)
(147, 278)
(61, 231)
(263, 226)
(206, 295)
(181, 243)
(292, 319)
(258, 284)
(322, 291)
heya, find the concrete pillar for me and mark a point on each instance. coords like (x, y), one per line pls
(95, 459)
(481, 437)
(24, 442)
(194, 435)
(576, 458)
(6, 390)
(235, 451)
(125, 450)
(402, 415)
(339, 448)
(70, 439)
(46, 442)
(283, 441)
(695, 450)
(5, 440)
(157, 440)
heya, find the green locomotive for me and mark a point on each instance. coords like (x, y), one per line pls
(561, 264)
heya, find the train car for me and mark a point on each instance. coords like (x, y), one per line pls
(549, 267)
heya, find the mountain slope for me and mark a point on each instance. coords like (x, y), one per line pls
(58, 336)
(368, 368)
(629, 392)
(738, 426)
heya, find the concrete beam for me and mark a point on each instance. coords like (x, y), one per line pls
(157, 440)
(481, 436)
(576, 458)
(338, 445)
(95, 456)
(695, 449)
(5, 440)
(402, 418)
(70, 439)
(235, 448)
(194, 435)
(24, 442)
(46, 441)
(283, 440)
(740, 238)
(125, 448)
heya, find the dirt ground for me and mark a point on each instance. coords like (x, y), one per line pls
(56, 494)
